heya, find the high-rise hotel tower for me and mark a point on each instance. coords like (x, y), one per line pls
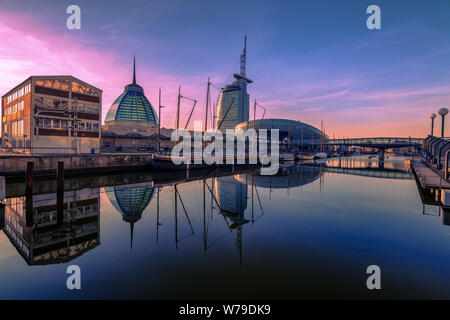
(233, 106)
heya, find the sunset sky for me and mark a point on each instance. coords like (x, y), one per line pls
(310, 60)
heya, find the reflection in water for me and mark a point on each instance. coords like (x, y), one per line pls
(286, 229)
(52, 238)
(130, 202)
(296, 176)
(232, 201)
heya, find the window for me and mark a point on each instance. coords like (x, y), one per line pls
(14, 129)
(88, 126)
(56, 104)
(20, 128)
(47, 123)
(95, 127)
(81, 126)
(56, 123)
(64, 124)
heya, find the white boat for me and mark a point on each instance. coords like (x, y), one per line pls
(305, 156)
(320, 155)
(287, 157)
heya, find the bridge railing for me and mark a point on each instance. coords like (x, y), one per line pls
(436, 152)
(373, 141)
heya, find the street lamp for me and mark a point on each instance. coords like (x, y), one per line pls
(432, 117)
(443, 112)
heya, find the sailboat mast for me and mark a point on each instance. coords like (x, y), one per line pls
(321, 135)
(205, 126)
(178, 107)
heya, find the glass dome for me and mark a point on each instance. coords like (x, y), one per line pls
(132, 105)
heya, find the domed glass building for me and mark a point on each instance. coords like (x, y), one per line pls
(291, 132)
(132, 109)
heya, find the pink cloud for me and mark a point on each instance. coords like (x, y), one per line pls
(33, 50)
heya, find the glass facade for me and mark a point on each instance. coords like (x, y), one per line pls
(132, 106)
(130, 202)
(298, 132)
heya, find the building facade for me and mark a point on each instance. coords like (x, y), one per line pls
(233, 105)
(43, 236)
(291, 132)
(52, 114)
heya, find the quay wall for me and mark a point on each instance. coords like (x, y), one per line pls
(15, 165)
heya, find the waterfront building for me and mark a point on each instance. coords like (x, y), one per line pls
(43, 236)
(233, 105)
(291, 132)
(131, 123)
(52, 114)
(132, 112)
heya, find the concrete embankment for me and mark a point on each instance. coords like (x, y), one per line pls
(46, 165)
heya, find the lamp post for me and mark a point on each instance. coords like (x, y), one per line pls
(443, 112)
(432, 117)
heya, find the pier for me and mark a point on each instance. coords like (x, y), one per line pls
(46, 165)
(428, 177)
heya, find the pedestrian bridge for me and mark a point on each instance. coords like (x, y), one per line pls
(381, 143)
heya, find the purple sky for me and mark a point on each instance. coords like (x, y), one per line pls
(310, 60)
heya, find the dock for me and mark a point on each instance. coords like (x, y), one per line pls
(15, 165)
(428, 177)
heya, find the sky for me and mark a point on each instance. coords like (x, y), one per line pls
(309, 60)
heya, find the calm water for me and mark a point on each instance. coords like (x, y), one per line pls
(309, 232)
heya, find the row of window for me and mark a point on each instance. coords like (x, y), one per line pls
(18, 241)
(61, 104)
(48, 123)
(15, 204)
(18, 93)
(65, 85)
(16, 225)
(14, 108)
(17, 128)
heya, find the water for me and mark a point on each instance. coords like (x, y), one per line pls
(312, 233)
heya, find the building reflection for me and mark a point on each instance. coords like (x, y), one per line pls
(294, 176)
(46, 232)
(232, 201)
(130, 202)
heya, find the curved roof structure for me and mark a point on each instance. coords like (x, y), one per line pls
(285, 178)
(296, 129)
(132, 105)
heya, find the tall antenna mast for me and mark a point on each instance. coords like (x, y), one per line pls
(134, 69)
(244, 57)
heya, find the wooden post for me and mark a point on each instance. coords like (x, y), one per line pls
(29, 183)
(29, 195)
(60, 193)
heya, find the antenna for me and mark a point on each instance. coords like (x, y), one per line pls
(134, 69)
(244, 57)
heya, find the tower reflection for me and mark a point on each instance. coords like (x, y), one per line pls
(130, 202)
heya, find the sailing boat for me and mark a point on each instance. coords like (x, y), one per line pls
(321, 154)
(287, 156)
(302, 156)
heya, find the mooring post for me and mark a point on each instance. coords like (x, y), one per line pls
(60, 177)
(60, 193)
(29, 195)
(29, 183)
